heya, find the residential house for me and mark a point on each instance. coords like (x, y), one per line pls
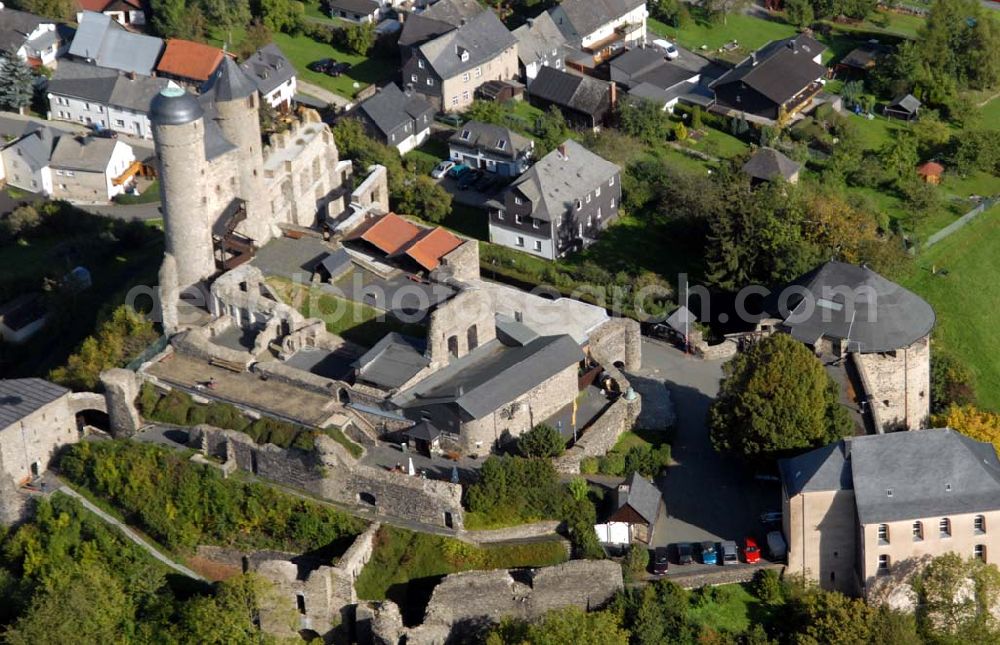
(585, 102)
(539, 44)
(638, 508)
(103, 42)
(768, 164)
(449, 68)
(274, 75)
(491, 147)
(859, 508)
(36, 419)
(435, 21)
(396, 118)
(863, 58)
(124, 12)
(26, 160)
(775, 82)
(356, 11)
(559, 205)
(22, 318)
(90, 169)
(601, 27)
(92, 95)
(188, 62)
(33, 39)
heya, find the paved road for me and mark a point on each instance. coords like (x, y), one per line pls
(129, 533)
(708, 496)
(128, 212)
(323, 94)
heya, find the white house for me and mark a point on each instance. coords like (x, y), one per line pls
(31, 38)
(601, 25)
(274, 75)
(124, 12)
(357, 11)
(26, 160)
(89, 169)
(540, 43)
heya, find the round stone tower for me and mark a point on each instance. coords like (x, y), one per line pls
(237, 103)
(178, 131)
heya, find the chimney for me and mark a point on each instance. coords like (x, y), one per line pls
(753, 59)
(614, 94)
(562, 152)
(131, 75)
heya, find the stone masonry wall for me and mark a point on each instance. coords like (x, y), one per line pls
(463, 262)
(121, 389)
(471, 307)
(900, 385)
(601, 436)
(28, 445)
(618, 339)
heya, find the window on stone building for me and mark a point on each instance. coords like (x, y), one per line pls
(300, 602)
(472, 337)
(453, 345)
(883, 534)
(979, 524)
(918, 531)
(883, 564)
(944, 527)
(979, 552)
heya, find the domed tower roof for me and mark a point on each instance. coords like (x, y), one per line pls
(229, 83)
(174, 106)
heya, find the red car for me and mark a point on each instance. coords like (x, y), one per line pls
(751, 552)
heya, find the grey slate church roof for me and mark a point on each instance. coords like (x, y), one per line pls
(853, 303)
(555, 182)
(22, 396)
(903, 475)
(483, 36)
(768, 164)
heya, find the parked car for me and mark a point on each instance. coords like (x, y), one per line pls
(442, 169)
(708, 553)
(321, 65)
(338, 68)
(458, 170)
(453, 120)
(468, 178)
(104, 133)
(684, 553)
(728, 553)
(484, 181)
(751, 552)
(660, 560)
(776, 545)
(668, 48)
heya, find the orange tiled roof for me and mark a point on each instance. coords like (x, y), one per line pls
(429, 249)
(930, 169)
(188, 59)
(388, 233)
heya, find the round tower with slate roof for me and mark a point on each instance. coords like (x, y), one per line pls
(179, 132)
(236, 103)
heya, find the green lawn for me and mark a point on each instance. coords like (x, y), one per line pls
(302, 50)
(718, 144)
(726, 608)
(990, 114)
(404, 562)
(965, 298)
(750, 32)
(883, 23)
(878, 131)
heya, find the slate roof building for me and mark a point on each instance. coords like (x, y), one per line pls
(639, 503)
(848, 311)
(559, 205)
(600, 27)
(26, 159)
(90, 169)
(540, 44)
(584, 101)
(438, 19)
(451, 67)
(356, 11)
(392, 362)
(397, 118)
(774, 82)
(768, 164)
(103, 42)
(102, 97)
(274, 75)
(492, 148)
(33, 39)
(905, 107)
(856, 509)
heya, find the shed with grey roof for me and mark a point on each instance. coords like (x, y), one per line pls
(639, 504)
(21, 397)
(585, 102)
(768, 164)
(906, 107)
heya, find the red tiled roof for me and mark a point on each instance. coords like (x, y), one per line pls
(930, 169)
(101, 5)
(187, 59)
(388, 233)
(429, 249)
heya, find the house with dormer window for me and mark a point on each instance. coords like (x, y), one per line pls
(448, 69)
(492, 148)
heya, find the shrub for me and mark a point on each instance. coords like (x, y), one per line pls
(767, 586)
(635, 563)
(173, 408)
(589, 466)
(952, 383)
(542, 441)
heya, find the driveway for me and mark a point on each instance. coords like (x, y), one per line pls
(323, 94)
(708, 496)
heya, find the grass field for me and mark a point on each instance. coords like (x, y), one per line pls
(884, 22)
(964, 298)
(748, 31)
(302, 50)
(726, 608)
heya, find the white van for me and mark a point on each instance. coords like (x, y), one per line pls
(668, 48)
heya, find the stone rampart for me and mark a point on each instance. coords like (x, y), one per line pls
(618, 340)
(601, 435)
